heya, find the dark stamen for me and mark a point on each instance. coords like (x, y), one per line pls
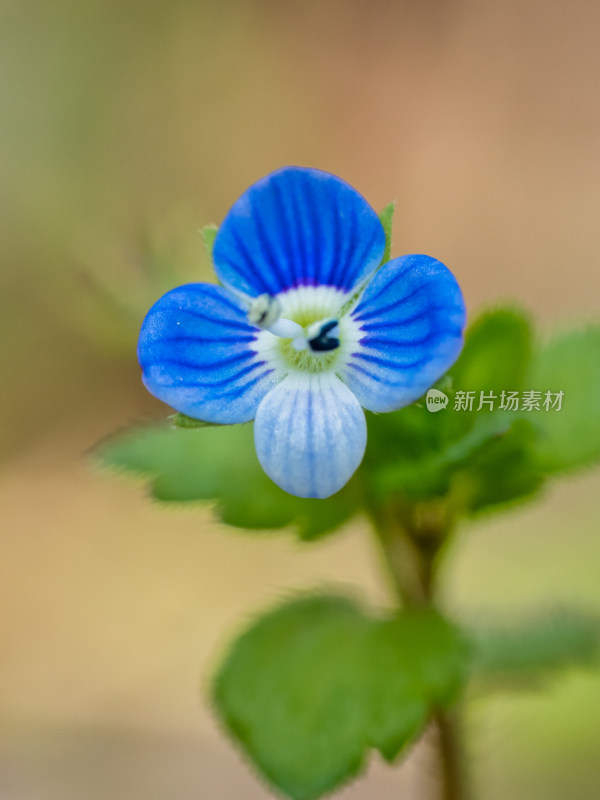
(321, 343)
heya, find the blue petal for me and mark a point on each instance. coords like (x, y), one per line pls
(310, 434)
(298, 227)
(412, 316)
(195, 350)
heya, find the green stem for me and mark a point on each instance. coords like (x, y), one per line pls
(410, 542)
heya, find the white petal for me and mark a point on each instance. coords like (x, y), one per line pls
(310, 434)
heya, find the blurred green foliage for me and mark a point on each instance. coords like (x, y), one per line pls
(526, 654)
(569, 439)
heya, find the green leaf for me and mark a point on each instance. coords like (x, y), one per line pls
(209, 234)
(515, 463)
(570, 438)
(386, 218)
(502, 472)
(495, 359)
(535, 650)
(421, 455)
(539, 444)
(312, 685)
(496, 354)
(218, 463)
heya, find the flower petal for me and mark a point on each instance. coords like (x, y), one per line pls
(196, 353)
(298, 227)
(310, 434)
(411, 319)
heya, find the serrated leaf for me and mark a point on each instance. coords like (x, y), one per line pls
(525, 654)
(312, 685)
(219, 464)
(569, 438)
(386, 217)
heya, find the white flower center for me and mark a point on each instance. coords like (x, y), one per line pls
(311, 335)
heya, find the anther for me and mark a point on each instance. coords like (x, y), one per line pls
(264, 311)
(325, 338)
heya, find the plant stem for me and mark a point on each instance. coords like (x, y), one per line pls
(452, 777)
(410, 542)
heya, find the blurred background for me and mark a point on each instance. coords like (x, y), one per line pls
(125, 127)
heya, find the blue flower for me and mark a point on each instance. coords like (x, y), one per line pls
(306, 329)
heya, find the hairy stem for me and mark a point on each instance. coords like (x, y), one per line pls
(410, 543)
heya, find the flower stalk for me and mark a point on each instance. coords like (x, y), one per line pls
(411, 539)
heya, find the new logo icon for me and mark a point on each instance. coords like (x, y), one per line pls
(435, 400)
